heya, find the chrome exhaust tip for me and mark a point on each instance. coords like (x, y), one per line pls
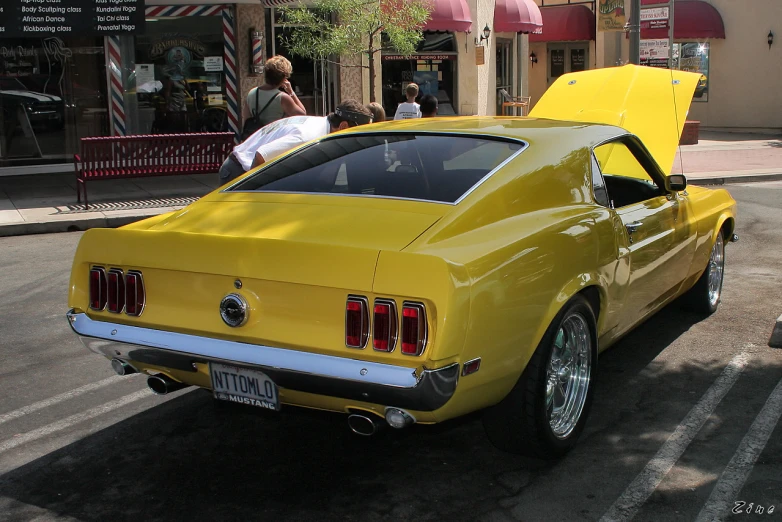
(398, 418)
(120, 367)
(161, 385)
(363, 425)
(734, 238)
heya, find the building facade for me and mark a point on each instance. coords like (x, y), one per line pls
(185, 72)
(190, 69)
(735, 45)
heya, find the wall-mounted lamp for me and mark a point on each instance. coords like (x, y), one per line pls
(486, 35)
(533, 58)
(770, 39)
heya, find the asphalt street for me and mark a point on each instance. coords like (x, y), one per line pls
(685, 424)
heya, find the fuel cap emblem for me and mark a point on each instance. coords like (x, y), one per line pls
(233, 310)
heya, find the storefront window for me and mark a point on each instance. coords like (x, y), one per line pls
(694, 57)
(433, 68)
(566, 58)
(52, 92)
(178, 77)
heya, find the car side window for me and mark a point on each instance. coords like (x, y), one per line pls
(626, 180)
(598, 185)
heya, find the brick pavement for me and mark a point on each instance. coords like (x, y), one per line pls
(713, 160)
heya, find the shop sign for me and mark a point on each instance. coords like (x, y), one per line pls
(166, 45)
(40, 18)
(655, 53)
(611, 15)
(419, 56)
(480, 57)
(145, 73)
(655, 18)
(213, 63)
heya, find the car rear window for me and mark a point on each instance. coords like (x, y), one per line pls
(439, 168)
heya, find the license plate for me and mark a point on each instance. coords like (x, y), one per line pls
(243, 386)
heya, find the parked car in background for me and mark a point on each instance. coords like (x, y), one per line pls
(417, 271)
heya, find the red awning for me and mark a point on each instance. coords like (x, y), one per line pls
(691, 19)
(449, 15)
(566, 23)
(517, 16)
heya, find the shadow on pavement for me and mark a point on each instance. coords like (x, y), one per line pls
(191, 459)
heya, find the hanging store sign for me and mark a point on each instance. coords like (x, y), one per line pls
(655, 53)
(41, 18)
(611, 15)
(655, 18)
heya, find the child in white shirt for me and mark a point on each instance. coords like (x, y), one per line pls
(409, 109)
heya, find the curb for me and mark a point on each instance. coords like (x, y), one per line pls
(776, 334)
(78, 225)
(725, 180)
(73, 225)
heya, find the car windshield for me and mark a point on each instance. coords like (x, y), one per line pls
(429, 167)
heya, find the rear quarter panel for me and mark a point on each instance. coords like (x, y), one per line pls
(527, 246)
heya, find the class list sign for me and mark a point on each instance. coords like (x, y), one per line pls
(41, 18)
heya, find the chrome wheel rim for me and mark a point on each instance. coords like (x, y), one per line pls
(716, 267)
(568, 375)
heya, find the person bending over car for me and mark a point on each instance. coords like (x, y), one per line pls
(285, 134)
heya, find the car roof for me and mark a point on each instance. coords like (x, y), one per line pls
(526, 129)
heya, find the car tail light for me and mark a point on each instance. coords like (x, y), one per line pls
(413, 328)
(356, 322)
(134, 293)
(116, 293)
(98, 288)
(384, 326)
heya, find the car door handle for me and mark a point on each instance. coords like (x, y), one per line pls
(632, 227)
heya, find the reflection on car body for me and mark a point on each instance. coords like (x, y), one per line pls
(416, 271)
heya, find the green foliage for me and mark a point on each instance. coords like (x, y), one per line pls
(351, 27)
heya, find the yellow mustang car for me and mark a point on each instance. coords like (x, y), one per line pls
(416, 271)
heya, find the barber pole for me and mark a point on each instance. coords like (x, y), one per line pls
(117, 101)
(256, 45)
(229, 41)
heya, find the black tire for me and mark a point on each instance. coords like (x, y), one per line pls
(699, 298)
(520, 422)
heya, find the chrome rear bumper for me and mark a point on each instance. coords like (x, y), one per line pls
(416, 389)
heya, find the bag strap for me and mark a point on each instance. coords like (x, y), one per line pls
(267, 103)
(256, 102)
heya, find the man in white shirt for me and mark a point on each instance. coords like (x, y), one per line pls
(288, 133)
(409, 109)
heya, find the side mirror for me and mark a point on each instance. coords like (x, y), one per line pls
(675, 183)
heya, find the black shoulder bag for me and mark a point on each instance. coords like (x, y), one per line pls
(255, 121)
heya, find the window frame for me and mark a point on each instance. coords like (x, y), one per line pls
(523, 145)
(595, 168)
(641, 154)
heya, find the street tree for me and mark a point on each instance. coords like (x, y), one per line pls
(362, 28)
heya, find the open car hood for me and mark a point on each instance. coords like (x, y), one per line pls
(648, 102)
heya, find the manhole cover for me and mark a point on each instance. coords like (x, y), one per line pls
(127, 205)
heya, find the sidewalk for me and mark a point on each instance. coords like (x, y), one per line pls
(47, 202)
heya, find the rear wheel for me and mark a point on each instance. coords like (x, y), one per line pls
(705, 296)
(546, 410)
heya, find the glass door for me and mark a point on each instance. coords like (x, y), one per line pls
(504, 70)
